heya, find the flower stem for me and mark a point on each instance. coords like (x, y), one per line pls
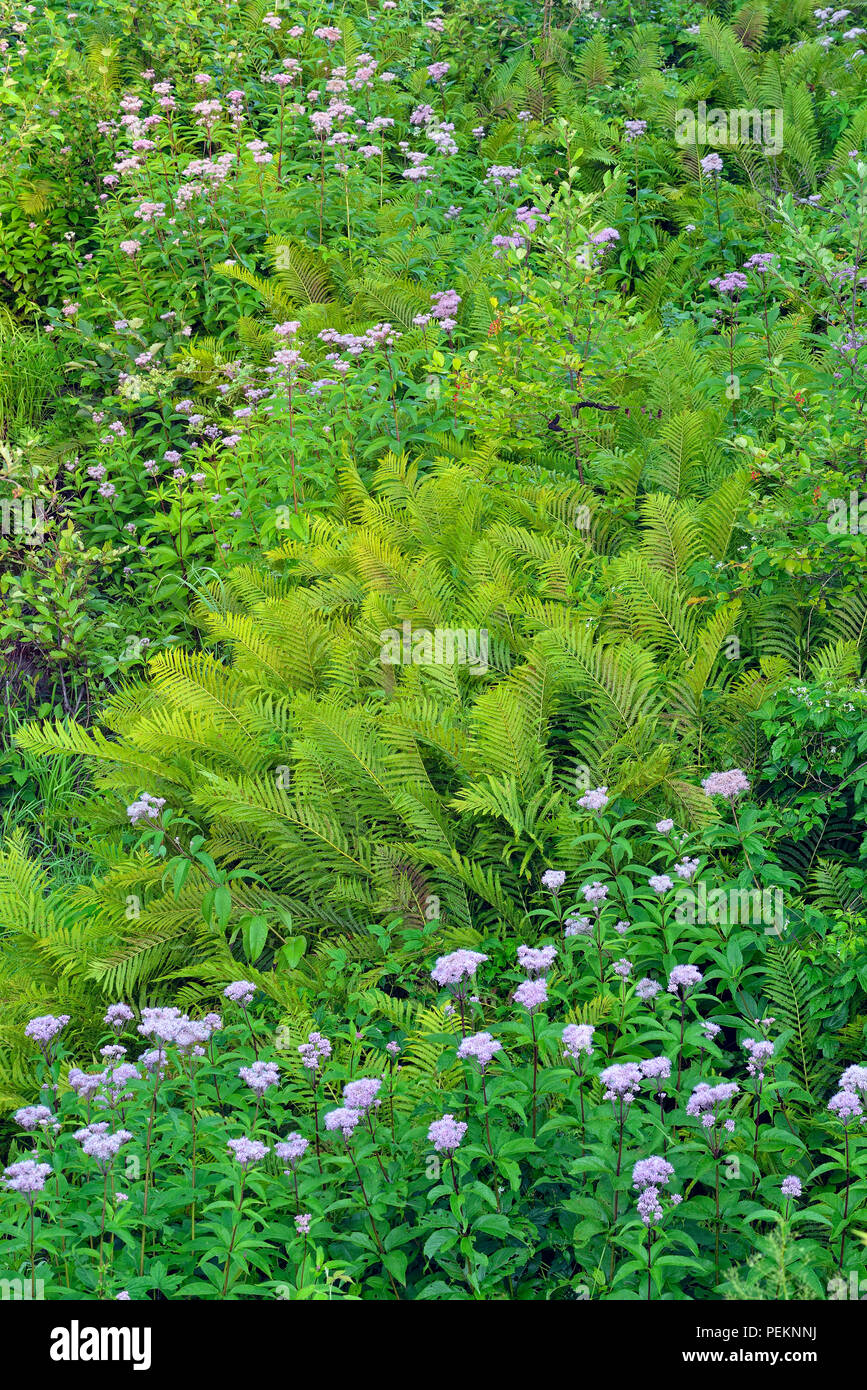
(234, 1236)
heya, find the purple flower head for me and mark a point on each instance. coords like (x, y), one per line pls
(259, 1076)
(302, 1223)
(687, 868)
(481, 1047)
(577, 1040)
(791, 1186)
(445, 304)
(729, 784)
(344, 1119)
(147, 807)
(422, 115)
(578, 926)
(594, 893)
(622, 968)
(647, 989)
(705, 1100)
(651, 1172)
(759, 1053)
(846, 1106)
(240, 991)
(315, 1051)
(191, 1036)
(26, 1176)
(507, 243)
(33, 1117)
(247, 1151)
(291, 1149)
(606, 237)
(595, 800)
(656, 1068)
(460, 965)
(532, 994)
(730, 285)
(664, 826)
(854, 1079)
(634, 129)
(682, 979)
(660, 883)
(116, 1015)
(621, 1081)
(649, 1206)
(446, 1134)
(44, 1029)
(553, 880)
(161, 1024)
(530, 217)
(362, 1094)
(762, 261)
(501, 174)
(98, 1143)
(154, 1061)
(85, 1084)
(536, 960)
(712, 164)
(118, 1080)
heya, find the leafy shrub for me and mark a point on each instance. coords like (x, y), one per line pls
(407, 430)
(608, 1126)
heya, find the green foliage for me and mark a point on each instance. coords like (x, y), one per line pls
(391, 455)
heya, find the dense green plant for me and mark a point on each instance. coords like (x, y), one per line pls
(542, 1120)
(342, 774)
(414, 437)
